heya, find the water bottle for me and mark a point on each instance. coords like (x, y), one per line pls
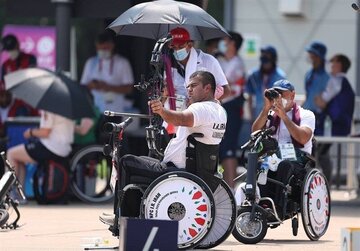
(262, 178)
(327, 126)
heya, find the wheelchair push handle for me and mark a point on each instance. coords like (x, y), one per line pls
(110, 127)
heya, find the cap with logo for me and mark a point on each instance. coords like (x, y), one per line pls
(283, 85)
(179, 36)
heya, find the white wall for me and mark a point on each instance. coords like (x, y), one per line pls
(331, 21)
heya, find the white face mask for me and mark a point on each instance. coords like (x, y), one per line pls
(13, 54)
(181, 54)
(285, 102)
(104, 54)
(222, 47)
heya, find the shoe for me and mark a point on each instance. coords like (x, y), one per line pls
(108, 219)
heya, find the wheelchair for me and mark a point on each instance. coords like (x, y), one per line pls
(197, 198)
(7, 181)
(307, 194)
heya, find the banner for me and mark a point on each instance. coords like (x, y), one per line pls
(36, 40)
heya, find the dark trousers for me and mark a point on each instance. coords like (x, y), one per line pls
(285, 170)
(143, 167)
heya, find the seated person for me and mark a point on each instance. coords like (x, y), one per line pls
(51, 140)
(10, 107)
(203, 115)
(293, 125)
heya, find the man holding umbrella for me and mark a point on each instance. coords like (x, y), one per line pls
(185, 60)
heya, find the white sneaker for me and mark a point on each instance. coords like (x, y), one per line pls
(108, 219)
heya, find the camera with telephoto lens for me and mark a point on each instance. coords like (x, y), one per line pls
(271, 94)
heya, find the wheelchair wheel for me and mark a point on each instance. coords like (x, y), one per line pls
(315, 201)
(225, 216)
(249, 231)
(4, 216)
(183, 197)
(90, 174)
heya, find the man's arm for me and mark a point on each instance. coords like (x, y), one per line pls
(37, 132)
(260, 121)
(301, 134)
(183, 118)
(226, 92)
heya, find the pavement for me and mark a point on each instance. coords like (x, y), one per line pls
(75, 226)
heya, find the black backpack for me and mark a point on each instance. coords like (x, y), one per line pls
(50, 182)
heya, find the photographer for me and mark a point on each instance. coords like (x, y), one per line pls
(292, 124)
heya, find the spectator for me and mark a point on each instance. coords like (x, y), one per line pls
(316, 80)
(17, 59)
(9, 106)
(201, 116)
(185, 60)
(51, 140)
(234, 69)
(211, 47)
(12, 107)
(108, 75)
(262, 78)
(338, 101)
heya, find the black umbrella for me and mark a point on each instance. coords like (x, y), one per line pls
(47, 90)
(155, 20)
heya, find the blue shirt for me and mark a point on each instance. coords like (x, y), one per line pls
(256, 85)
(315, 83)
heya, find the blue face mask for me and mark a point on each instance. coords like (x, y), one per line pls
(181, 54)
(222, 47)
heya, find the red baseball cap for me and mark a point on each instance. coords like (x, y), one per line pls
(179, 36)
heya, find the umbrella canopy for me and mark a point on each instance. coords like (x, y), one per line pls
(155, 20)
(47, 90)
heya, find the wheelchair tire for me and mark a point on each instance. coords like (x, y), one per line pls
(90, 173)
(225, 216)
(315, 202)
(184, 197)
(4, 216)
(247, 231)
(295, 226)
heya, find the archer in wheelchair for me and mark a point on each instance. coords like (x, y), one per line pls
(281, 180)
(162, 189)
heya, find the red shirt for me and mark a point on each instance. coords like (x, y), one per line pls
(23, 61)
